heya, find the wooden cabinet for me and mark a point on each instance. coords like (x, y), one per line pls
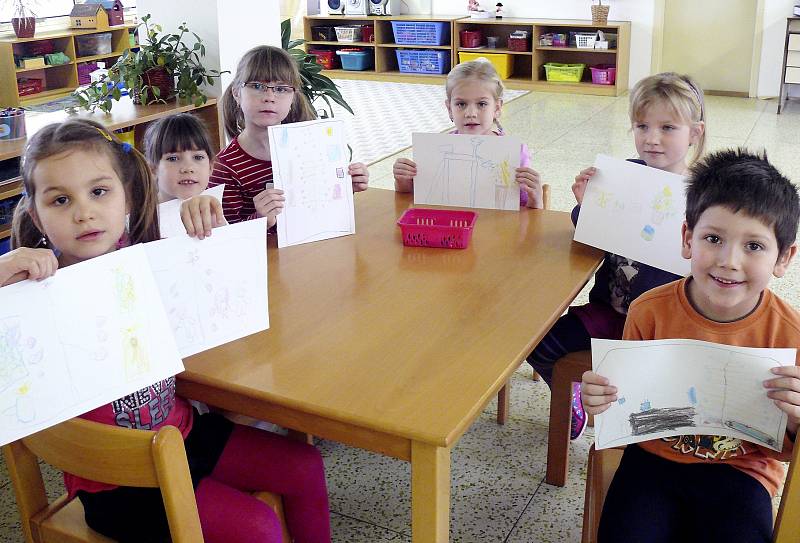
(790, 73)
(527, 67)
(59, 80)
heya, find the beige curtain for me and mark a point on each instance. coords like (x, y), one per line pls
(294, 10)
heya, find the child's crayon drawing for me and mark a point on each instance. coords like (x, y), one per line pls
(466, 171)
(90, 334)
(680, 386)
(310, 166)
(636, 212)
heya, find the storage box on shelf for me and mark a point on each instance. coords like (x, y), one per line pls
(56, 81)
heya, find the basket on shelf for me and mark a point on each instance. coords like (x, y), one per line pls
(348, 33)
(568, 73)
(603, 74)
(420, 32)
(422, 61)
(585, 40)
(600, 15)
(423, 227)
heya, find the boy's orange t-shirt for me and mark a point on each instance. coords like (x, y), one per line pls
(666, 313)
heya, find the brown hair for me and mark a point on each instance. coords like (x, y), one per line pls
(174, 134)
(265, 63)
(680, 93)
(129, 164)
(480, 69)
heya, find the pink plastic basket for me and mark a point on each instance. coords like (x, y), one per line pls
(437, 227)
(604, 74)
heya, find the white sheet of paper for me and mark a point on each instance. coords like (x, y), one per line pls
(169, 213)
(214, 290)
(309, 163)
(94, 332)
(636, 212)
(672, 387)
(466, 171)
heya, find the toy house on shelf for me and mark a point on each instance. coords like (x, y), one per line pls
(91, 16)
(114, 10)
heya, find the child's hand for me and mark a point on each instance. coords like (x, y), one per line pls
(597, 394)
(579, 186)
(269, 203)
(360, 175)
(404, 171)
(200, 214)
(26, 263)
(530, 181)
(785, 391)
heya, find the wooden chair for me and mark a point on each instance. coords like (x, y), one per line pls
(567, 370)
(113, 455)
(603, 464)
(504, 394)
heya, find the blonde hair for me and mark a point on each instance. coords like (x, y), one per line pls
(480, 70)
(679, 93)
(265, 63)
(129, 164)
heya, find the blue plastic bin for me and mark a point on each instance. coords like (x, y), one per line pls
(420, 33)
(5, 245)
(421, 61)
(355, 60)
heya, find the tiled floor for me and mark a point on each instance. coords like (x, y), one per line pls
(498, 493)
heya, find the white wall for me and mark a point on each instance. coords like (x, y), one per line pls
(227, 32)
(638, 12)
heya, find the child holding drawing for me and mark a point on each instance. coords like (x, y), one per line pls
(474, 102)
(179, 151)
(265, 91)
(667, 116)
(740, 229)
(88, 194)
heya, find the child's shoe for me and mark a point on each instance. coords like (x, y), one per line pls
(578, 414)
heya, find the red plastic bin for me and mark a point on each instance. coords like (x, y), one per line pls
(422, 227)
(471, 38)
(604, 74)
(325, 57)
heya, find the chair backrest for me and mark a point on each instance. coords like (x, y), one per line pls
(603, 464)
(111, 455)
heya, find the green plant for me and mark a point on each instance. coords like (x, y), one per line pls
(160, 52)
(315, 85)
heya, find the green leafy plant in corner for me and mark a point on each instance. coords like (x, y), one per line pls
(160, 51)
(315, 85)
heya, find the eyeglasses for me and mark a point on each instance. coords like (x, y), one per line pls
(262, 88)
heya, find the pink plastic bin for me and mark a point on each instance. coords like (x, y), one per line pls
(604, 74)
(437, 227)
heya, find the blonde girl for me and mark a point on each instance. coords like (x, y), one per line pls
(667, 115)
(474, 102)
(266, 91)
(81, 183)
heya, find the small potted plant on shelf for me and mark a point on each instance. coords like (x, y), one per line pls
(23, 17)
(315, 85)
(164, 67)
(600, 13)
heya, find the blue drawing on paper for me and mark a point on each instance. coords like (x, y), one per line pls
(645, 406)
(621, 400)
(693, 395)
(284, 137)
(648, 232)
(334, 153)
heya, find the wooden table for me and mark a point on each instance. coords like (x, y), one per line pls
(397, 349)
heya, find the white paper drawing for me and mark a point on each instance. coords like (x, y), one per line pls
(94, 332)
(213, 290)
(310, 164)
(169, 213)
(466, 171)
(636, 212)
(680, 386)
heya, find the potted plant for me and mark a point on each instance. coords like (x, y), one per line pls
(315, 85)
(600, 13)
(23, 18)
(164, 67)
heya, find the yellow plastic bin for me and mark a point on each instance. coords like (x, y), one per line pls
(503, 63)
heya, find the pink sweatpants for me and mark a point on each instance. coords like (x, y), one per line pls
(254, 460)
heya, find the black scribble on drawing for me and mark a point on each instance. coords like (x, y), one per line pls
(658, 420)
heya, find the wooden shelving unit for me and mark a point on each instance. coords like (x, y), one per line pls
(59, 80)
(528, 72)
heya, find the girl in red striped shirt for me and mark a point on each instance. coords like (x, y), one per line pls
(265, 91)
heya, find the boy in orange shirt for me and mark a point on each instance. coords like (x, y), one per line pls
(741, 224)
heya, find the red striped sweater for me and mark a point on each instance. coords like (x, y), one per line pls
(244, 177)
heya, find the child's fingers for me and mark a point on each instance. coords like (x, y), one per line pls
(197, 223)
(791, 408)
(208, 222)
